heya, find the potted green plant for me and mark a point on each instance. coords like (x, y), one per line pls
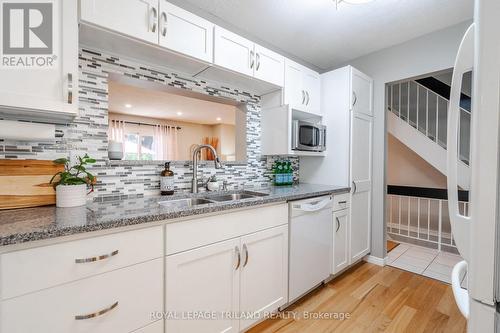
(71, 185)
(212, 183)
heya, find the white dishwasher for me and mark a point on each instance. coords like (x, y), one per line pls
(311, 239)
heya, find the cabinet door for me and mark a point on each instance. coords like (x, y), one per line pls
(185, 32)
(202, 280)
(118, 301)
(312, 88)
(233, 52)
(361, 177)
(269, 66)
(136, 18)
(340, 240)
(362, 89)
(264, 273)
(53, 87)
(294, 94)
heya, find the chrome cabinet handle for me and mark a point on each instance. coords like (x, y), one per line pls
(342, 202)
(257, 55)
(154, 11)
(245, 249)
(303, 97)
(98, 313)
(237, 250)
(354, 185)
(338, 224)
(70, 88)
(163, 22)
(97, 258)
(307, 94)
(252, 59)
(355, 98)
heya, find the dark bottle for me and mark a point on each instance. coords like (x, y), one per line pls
(167, 180)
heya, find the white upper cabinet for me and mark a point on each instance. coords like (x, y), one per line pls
(269, 66)
(185, 32)
(245, 57)
(302, 88)
(48, 88)
(135, 18)
(233, 52)
(361, 97)
(312, 90)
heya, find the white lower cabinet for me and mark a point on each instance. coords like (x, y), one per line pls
(245, 275)
(264, 273)
(114, 302)
(202, 281)
(340, 240)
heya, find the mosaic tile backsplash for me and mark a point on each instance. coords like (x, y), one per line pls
(88, 133)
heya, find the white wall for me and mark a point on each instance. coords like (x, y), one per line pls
(407, 168)
(426, 54)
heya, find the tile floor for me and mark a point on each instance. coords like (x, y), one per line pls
(423, 261)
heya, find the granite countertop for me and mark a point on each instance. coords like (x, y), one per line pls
(31, 224)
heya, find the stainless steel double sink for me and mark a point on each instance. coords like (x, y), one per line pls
(208, 199)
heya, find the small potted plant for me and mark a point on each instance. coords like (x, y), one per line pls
(71, 185)
(213, 183)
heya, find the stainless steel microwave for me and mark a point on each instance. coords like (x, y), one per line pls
(307, 136)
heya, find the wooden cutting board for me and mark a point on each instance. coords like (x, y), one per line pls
(25, 183)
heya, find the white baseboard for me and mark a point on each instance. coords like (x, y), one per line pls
(375, 260)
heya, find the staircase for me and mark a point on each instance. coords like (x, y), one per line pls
(418, 116)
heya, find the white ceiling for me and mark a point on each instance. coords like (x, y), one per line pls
(151, 103)
(313, 31)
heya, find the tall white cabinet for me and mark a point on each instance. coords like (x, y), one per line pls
(347, 107)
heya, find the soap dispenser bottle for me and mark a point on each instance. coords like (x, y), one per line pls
(167, 180)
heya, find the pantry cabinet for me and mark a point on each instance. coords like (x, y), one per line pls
(185, 32)
(43, 86)
(302, 88)
(242, 56)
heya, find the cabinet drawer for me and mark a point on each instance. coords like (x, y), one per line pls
(341, 201)
(125, 297)
(186, 235)
(30, 270)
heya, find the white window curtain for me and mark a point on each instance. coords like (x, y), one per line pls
(165, 142)
(116, 131)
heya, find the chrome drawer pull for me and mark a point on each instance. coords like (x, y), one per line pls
(342, 202)
(338, 224)
(98, 313)
(92, 259)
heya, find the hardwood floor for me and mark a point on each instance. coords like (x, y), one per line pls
(378, 299)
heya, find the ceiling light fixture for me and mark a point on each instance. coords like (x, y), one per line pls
(351, 2)
(128, 106)
(218, 118)
(179, 113)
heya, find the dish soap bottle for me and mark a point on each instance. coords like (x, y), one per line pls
(167, 180)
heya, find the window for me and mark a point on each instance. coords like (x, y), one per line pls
(139, 147)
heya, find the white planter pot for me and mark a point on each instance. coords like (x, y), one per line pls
(71, 195)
